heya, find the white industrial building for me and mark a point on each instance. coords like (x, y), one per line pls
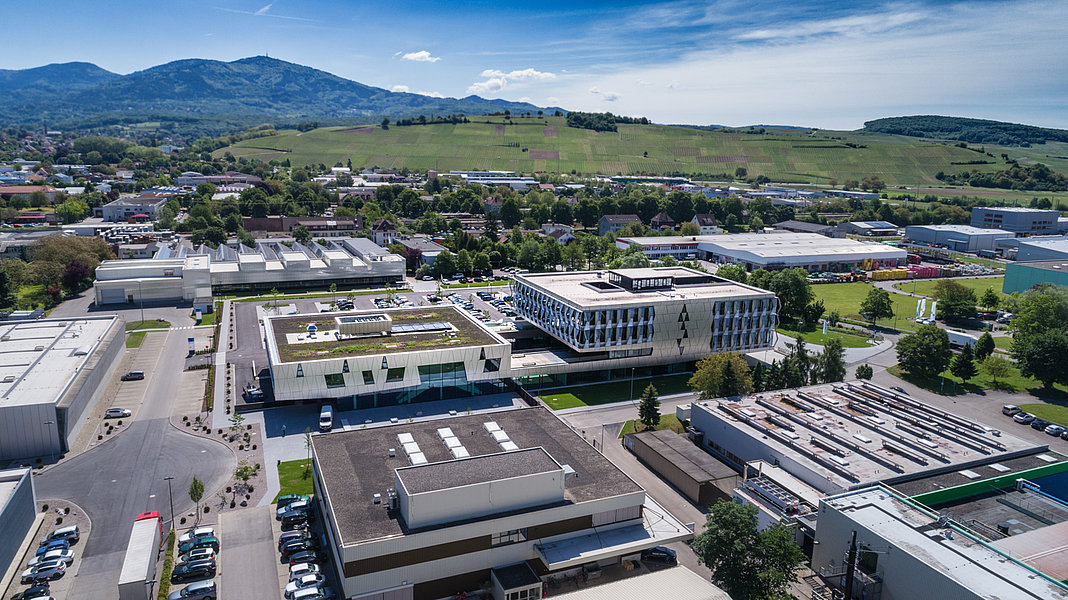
(1017, 219)
(961, 238)
(425, 510)
(905, 551)
(1046, 248)
(364, 359)
(18, 511)
(614, 320)
(192, 275)
(50, 373)
(772, 251)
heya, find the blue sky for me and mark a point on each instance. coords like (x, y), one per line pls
(821, 63)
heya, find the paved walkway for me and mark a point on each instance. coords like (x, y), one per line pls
(247, 551)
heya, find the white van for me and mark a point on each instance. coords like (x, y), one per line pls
(326, 418)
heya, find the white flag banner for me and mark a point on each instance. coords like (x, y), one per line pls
(824, 327)
(934, 305)
(919, 312)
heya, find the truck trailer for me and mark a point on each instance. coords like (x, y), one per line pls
(139, 566)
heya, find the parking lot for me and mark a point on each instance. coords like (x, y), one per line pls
(305, 541)
(59, 585)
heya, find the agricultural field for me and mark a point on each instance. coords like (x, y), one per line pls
(537, 144)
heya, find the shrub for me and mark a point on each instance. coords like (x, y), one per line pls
(233, 504)
(228, 489)
(182, 521)
(66, 511)
(168, 566)
(251, 489)
(59, 520)
(253, 446)
(44, 508)
(99, 437)
(207, 508)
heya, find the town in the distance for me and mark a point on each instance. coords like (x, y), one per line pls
(514, 354)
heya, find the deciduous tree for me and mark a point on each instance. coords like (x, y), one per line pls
(1042, 356)
(984, 347)
(715, 379)
(925, 352)
(877, 305)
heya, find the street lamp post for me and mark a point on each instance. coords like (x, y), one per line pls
(632, 384)
(168, 479)
(141, 298)
(52, 449)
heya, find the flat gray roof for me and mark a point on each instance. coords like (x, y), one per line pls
(570, 287)
(476, 469)
(39, 359)
(684, 454)
(354, 465)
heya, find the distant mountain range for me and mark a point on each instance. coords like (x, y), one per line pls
(247, 91)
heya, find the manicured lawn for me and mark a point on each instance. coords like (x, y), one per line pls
(295, 477)
(846, 298)
(1003, 342)
(666, 422)
(205, 318)
(135, 339)
(1050, 412)
(980, 284)
(813, 334)
(953, 386)
(154, 324)
(616, 391)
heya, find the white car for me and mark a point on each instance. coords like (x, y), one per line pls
(301, 569)
(198, 554)
(298, 505)
(306, 581)
(199, 532)
(66, 556)
(44, 571)
(117, 413)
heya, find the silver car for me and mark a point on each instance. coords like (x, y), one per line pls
(44, 571)
(66, 556)
(117, 413)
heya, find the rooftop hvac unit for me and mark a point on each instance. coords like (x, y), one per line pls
(445, 433)
(509, 446)
(491, 426)
(499, 436)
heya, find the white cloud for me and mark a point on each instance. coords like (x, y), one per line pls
(421, 56)
(493, 84)
(552, 100)
(607, 96)
(524, 99)
(264, 10)
(407, 90)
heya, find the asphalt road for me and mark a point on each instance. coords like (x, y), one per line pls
(115, 481)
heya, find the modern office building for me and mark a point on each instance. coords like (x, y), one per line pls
(192, 275)
(868, 228)
(906, 551)
(612, 321)
(961, 238)
(1018, 220)
(773, 251)
(18, 510)
(50, 373)
(364, 359)
(499, 502)
(1020, 277)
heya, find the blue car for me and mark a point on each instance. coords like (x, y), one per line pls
(53, 545)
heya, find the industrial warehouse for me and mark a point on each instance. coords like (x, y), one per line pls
(191, 275)
(501, 501)
(772, 251)
(50, 372)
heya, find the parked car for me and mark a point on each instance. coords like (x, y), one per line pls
(297, 546)
(133, 376)
(198, 554)
(289, 536)
(302, 504)
(117, 413)
(322, 593)
(1010, 409)
(46, 571)
(301, 569)
(1040, 424)
(660, 554)
(1024, 418)
(305, 581)
(198, 543)
(53, 545)
(287, 499)
(70, 533)
(1055, 429)
(200, 569)
(307, 556)
(37, 592)
(199, 532)
(66, 556)
(294, 519)
(428, 278)
(201, 590)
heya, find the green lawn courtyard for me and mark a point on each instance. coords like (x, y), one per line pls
(615, 391)
(666, 422)
(813, 334)
(845, 298)
(978, 284)
(295, 477)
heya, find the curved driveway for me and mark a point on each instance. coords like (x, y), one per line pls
(116, 481)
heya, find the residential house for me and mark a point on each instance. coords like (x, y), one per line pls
(384, 232)
(613, 223)
(707, 224)
(662, 221)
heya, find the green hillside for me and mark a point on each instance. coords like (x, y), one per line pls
(494, 143)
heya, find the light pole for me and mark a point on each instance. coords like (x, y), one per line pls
(141, 298)
(52, 449)
(168, 479)
(632, 384)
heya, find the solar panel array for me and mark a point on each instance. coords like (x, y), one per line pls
(421, 327)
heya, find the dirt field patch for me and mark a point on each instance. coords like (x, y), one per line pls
(549, 131)
(498, 131)
(359, 130)
(545, 154)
